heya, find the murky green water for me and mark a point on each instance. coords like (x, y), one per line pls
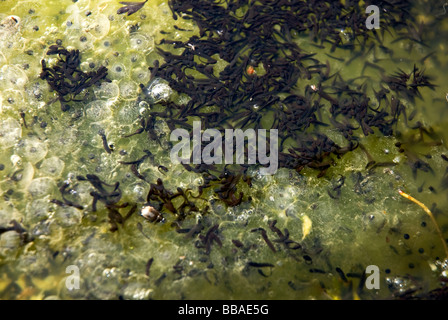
(364, 222)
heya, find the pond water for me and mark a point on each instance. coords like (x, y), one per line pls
(360, 115)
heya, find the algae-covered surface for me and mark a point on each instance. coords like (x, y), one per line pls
(92, 207)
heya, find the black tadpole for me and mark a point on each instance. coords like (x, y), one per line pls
(66, 78)
(130, 7)
(105, 144)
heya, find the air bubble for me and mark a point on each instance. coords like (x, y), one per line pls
(137, 291)
(16, 160)
(143, 107)
(105, 283)
(158, 90)
(137, 192)
(198, 181)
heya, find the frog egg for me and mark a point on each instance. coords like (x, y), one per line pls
(64, 137)
(6, 213)
(35, 94)
(98, 110)
(29, 61)
(52, 167)
(3, 59)
(25, 176)
(128, 89)
(81, 41)
(35, 263)
(141, 42)
(158, 90)
(88, 65)
(140, 75)
(136, 58)
(12, 77)
(98, 26)
(9, 27)
(10, 132)
(106, 44)
(107, 90)
(83, 5)
(105, 283)
(32, 149)
(73, 22)
(37, 210)
(9, 240)
(117, 71)
(11, 43)
(127, 113)
(68, 216)
(13, 98)
(40, 187)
